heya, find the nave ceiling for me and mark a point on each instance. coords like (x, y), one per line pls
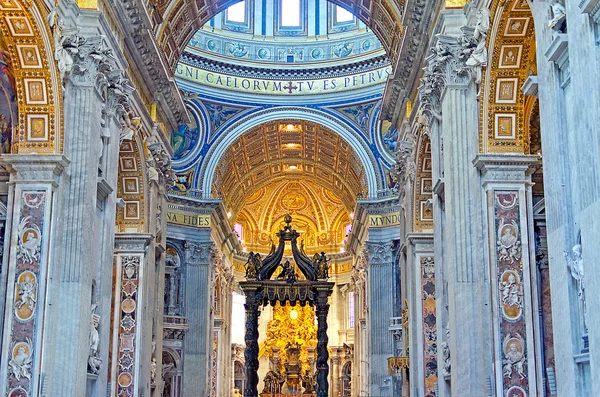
(290, 166)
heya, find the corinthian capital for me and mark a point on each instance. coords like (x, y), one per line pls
(197, 254)
(453, 61)
(380, 253)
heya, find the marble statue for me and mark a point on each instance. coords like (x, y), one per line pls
(511, 292)
(479, 56)
(514, 359)
(29, 244)
(559, 16)
(509, 246)
(94, 360)
(575, 265)
(153, 367)
(20, 363)
(447, 369)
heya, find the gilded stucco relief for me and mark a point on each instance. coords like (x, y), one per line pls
(512, 60)
(30, 74)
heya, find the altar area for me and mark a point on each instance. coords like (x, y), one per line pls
(299, 287)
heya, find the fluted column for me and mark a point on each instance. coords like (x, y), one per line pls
(198, 340)
(380, 287)
(35, 183)
(449, 96)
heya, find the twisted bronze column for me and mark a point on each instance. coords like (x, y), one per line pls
(322, 308)
(253, 302)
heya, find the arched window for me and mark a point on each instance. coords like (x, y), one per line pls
(238, 376)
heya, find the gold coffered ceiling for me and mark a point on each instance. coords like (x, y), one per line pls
(290, 166)
(273, 152)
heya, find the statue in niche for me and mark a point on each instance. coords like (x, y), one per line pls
(94, 360)
(479, 56)
(446, 370)
(575, 265)
(253, 265)
(153, 368)
(558, 22)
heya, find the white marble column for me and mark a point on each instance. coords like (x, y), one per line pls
(35, 184)
(197, 346)
(449, 94)
(380, 287)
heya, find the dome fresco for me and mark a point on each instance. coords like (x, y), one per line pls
(258, 34)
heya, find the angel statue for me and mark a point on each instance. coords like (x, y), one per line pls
(253, 265)
(322, 267)
(559, 17)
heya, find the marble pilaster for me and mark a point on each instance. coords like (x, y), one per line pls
(197, 346)
(35, 183)
(449, 97)
(506, 182)
(132, 275)
(380, 340)
(423, 321)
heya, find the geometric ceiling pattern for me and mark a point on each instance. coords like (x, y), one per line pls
(288, 150)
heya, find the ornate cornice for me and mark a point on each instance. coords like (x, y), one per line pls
(286, 74)
(153, 69)
(417, 20)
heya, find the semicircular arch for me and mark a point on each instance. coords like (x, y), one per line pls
(345, 131)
